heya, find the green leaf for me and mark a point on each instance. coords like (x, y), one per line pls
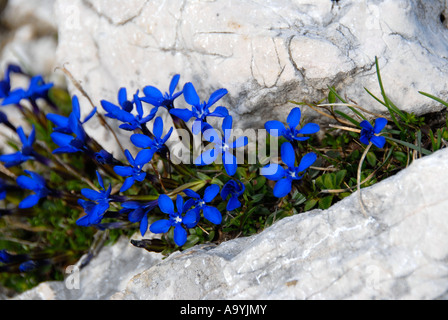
(310, 204)
(371, 158)
(434, 98)
(347, 117)
(339, 175)
(325, 202)
(410, 145)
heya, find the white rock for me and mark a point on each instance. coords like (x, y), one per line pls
(398, 252)
(264, 53)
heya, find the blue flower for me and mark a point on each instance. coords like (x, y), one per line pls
(27, 266)
(199, 110)
(157, 144)
(37, 89)
(26, 152)
(138, 212)
(210, 213)
(3, 189)
(155, 97)
(97, 206)
(5, 256)
(276, 128)
(5, 84)
(134, 172)
(176, 218)
(104, 157)
(222, 147)
(130, 121)
(285, 177)
(63, 123)
(66, 141)
(35, 183)
(234, 188)
(370, 134)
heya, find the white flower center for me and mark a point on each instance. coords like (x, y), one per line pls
(178, 219)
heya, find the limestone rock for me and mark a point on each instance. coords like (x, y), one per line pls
(264, 53)
(399, 252)
(106, 273)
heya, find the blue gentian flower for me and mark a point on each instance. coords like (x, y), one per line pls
(37, 89)
(26, 152)
(156, 144)
(234, 188)
(199, 110)
(135, 171)
(97, 206)
(222, 147)
(105, 157)
(155, 97)
(3, 188)
(66, 141)
(5, 256)
(63, 123)
(5, 84)
(138, 212)
(276, 128)
(131, 121)
(285, 177)
(211, 213)
(370, 134)
(176, 218)
(35, 183)
(28, 266)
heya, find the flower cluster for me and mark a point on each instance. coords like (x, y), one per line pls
(140, 186)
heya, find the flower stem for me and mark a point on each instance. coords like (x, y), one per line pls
(361, 203)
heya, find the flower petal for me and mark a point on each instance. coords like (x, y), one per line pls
(211, 192)
(378, 141)
(190, 95)
(190, 220)
(306, 161)
(212, 214)
(144, 225)
(294, 116)
(29, 201)
(240, 142)
(160, 226)
(129, 182)
(166, 204)
(123, 171)
(190, 193)
(173, 83)
(184, 114)
(309, 128)
(380, 123)
(288, 154)
(141, 141)
(180, 235)
(274, 127)
(219, 112)
(282, 187)
(143, 157)
(215, 96)
(366, 125)
(207, 157)
(233, 204)
(157, 130)
(273, 171)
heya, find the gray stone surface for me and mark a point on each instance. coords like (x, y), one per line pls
(264, 53)
(399, 252)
